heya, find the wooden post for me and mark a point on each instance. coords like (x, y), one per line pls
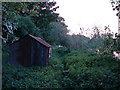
(119, 18)
(118, 41)
(0, 45)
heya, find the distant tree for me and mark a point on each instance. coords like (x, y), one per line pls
(78, 41)
(57, 33)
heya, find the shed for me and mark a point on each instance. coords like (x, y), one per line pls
(30, 51)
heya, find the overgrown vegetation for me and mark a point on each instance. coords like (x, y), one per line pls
(77, 61)
(76, 69)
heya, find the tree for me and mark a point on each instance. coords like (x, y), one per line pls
(46, 14)
(26, 26)
(109, 43)
(11, 12)
(20, 18)
(57, 33)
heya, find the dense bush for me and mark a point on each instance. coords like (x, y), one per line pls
(61, 51)
(76, 69)
(34, 77)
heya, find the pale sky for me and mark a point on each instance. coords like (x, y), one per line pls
(87, 14)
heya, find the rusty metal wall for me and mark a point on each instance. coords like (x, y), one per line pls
(20, 52)
(29, 52)
(39, 54)
(14, 53)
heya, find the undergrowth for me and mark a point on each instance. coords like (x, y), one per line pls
(67, 69)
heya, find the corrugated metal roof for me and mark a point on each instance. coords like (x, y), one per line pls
(35, 38)
(40, 40)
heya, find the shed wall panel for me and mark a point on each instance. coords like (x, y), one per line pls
(29, 52)
(39, 54)
(14, 52)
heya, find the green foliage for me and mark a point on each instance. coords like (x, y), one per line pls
(26, 26)
(117, 42)
(21, 18)
(76, 69)
(88, 71)
(5, 52)
(67, 67)
(56, 34)
(110, 44)
(61, 51)
(77, 42)
(31, 77)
